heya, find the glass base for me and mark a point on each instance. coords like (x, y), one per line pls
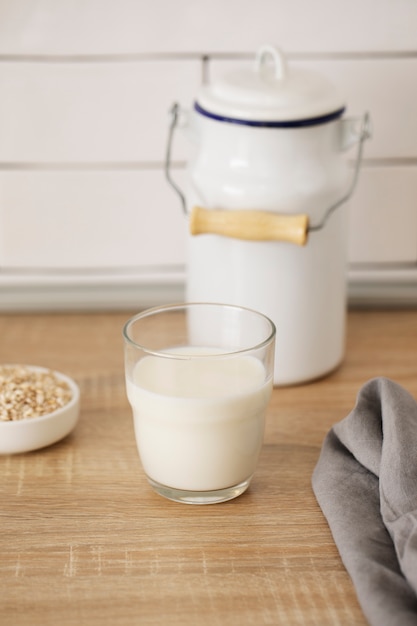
(199, 497)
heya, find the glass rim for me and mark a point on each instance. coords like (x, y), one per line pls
(165, 308)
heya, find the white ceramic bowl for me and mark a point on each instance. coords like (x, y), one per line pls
(37, 432)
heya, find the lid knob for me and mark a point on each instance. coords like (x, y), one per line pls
(268, 52)
(271, 93)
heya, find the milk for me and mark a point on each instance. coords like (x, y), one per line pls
(199, 422)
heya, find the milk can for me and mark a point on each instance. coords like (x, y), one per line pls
(266, 205)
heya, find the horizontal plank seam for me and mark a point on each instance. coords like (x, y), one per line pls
(159, 165)
(200, 56)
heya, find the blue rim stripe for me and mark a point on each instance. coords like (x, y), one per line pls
(312, 121)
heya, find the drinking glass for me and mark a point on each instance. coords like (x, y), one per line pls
(199, 379)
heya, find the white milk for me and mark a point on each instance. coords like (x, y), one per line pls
(199, 422)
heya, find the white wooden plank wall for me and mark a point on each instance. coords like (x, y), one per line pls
(87, 219)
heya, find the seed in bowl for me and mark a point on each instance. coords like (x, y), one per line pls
(26, 392)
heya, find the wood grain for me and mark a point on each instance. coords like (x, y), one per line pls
(84, 540)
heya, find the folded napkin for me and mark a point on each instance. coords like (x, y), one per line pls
(365, 482)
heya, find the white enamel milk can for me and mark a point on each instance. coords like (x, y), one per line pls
(266, 205)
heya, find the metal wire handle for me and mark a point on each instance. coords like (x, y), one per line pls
(365, 133)
(174, 121)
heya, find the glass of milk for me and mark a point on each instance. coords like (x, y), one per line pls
(199, 379)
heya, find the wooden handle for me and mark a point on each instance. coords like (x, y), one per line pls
(251, 225)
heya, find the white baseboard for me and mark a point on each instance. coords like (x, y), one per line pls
(89, 292)
(396, 287)
(20, 292)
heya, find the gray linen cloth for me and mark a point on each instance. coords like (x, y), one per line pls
(365, 482)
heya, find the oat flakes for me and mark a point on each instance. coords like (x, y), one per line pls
(26, 393)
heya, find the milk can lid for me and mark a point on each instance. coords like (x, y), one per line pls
(271, 94)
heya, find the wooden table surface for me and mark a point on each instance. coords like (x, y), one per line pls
(84, 540)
